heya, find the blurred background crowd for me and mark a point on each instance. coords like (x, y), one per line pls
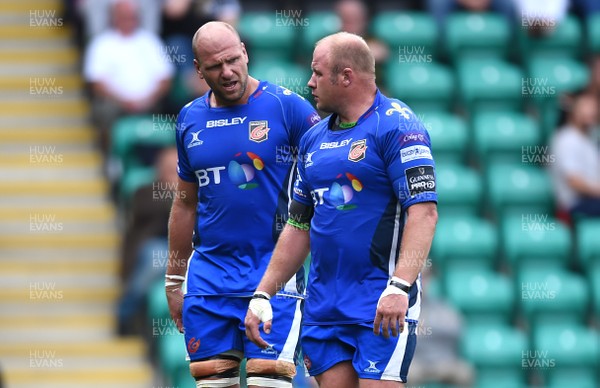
(509, 91)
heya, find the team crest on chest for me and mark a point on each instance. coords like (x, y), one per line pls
(258, 131)
(358, 150)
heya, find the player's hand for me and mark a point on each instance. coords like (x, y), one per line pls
(391, 310)
(175, 302)
(259, 311)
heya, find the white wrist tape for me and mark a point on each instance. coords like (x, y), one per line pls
(261, 308)
(175, 277)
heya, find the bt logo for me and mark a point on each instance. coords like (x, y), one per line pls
(241, 171)
(340, 193)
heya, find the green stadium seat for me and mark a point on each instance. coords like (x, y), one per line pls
(481, 295)
(469, 242)
(476, 34)
(172, 354)
(519, 188)
(130, 134)
(593, 33)
(410, 35)
(499, 378)
(459, 188)
(321, 23)
(501, 136)
(448, 135)
(289, 75)
(565, 40)
(183, 379)
(424, 86)
(157, 302)
(548, 78)
(494, 346)
(594, 283)
(267, 35)
(573, 350)
(134, 178)
(575, 377)
(489, 84)
(552, 295)
(588, 242)
(535, 240)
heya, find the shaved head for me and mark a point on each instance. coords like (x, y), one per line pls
(346, 50)
(212, 36)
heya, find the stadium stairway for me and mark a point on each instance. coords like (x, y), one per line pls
(58, 228)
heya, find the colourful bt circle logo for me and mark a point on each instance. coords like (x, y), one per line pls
(341, 194)
(242, 174)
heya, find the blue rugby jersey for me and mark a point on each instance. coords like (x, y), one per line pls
(360, 181)
(243, 159)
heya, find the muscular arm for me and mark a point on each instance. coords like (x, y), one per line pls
(289, 254)
(291, 250)
(416, 240)
(181, 227)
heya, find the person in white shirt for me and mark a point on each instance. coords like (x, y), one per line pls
(576, 169)
(127, 68)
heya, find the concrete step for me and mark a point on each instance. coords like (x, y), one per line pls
(53, 279)
(56, 309)
(67, 56)
(38, 293)
(114, 377)
(45, 26)
(37, 156)
(10, 123)
(24, 136)
(101, 213)
(45, 107)
(59, 240)
(41, 83)
(65, 187)
(105, 265)
(24, 6)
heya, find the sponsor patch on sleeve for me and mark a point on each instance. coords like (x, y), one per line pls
(420, 179)
(415, 152)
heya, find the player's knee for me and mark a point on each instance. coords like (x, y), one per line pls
(216, 372)
(270, 373)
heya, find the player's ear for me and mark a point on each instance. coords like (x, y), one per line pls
(244, 51)
(347, 76)
(197, 66)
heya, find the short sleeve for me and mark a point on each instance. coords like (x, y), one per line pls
(184, 169)
(409, 162)
(301, 188)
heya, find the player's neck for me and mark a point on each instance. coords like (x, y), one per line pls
(353, 110)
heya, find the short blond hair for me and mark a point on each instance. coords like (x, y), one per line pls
(349, 50)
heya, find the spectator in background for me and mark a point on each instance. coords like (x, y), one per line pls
(145, 248)
(96, 15)
(540, 18)
(437, 357)
(576, 170)
(440, 9)
(180, 19)
(126, 68)
(594, 84)
(354, 18)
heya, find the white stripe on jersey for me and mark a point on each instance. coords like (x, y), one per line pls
(395, 242)
(289, 348)
(392, 369)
